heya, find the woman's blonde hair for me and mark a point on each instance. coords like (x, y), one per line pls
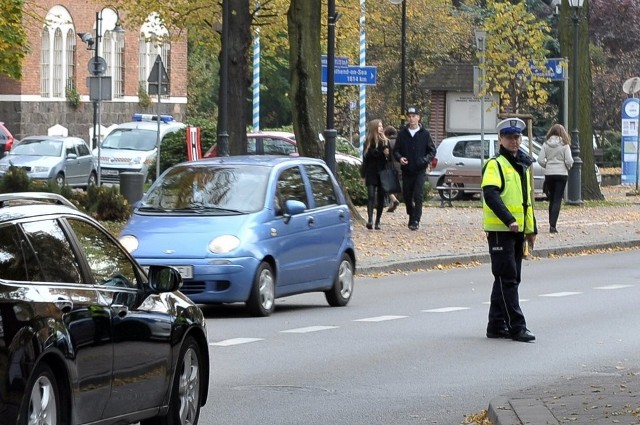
(558, 130)
(373, 137)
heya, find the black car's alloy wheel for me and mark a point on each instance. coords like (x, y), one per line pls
(41, 403)
(184, 406)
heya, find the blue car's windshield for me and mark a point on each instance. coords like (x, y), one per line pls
(134, 139)
(211, 189)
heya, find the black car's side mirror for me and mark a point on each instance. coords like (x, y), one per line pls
(164, 279)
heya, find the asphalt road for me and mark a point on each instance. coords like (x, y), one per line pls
(410, 348)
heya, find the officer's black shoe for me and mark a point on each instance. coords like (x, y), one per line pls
(524, 335)
(500, 333)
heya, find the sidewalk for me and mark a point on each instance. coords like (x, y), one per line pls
(453, 237)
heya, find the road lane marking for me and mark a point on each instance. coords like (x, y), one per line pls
(309, 329)
(235, 341)
(613, 287)
(380, 318)
(560, 294)
(445, 309)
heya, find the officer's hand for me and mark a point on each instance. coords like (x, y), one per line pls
(513, 227)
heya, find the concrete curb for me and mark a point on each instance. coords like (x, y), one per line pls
(503, 411)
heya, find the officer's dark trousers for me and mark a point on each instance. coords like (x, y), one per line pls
(413, 194)
(505, 249)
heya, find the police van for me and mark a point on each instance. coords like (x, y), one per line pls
(131, 146)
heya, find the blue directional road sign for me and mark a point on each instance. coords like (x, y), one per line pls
(337, 60)
(553, 69)
(352, 75)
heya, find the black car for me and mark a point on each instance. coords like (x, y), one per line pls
(86, 336)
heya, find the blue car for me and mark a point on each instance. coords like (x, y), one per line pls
(248, 229)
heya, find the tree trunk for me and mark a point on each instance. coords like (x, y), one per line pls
(590, 188)
(238, 75)
(304, 26)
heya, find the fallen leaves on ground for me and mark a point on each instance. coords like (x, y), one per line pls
(480, 418)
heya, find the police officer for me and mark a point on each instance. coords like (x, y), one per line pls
(510, 225)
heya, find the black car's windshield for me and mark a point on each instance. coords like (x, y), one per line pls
(209, 189)
(134, 139)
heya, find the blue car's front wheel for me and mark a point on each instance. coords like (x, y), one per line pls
(261, 302)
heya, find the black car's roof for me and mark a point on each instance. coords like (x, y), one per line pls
(32, 204)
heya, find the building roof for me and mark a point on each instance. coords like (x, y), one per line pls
(456, 77)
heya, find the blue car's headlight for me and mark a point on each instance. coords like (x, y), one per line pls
(224, 244)
(129, 242)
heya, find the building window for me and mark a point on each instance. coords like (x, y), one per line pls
(113, 52)
(44, 64)
(70, 50)
(58, 82)
(152, 44)
(57, 53)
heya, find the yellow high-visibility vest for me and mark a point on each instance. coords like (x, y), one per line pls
(500, 173)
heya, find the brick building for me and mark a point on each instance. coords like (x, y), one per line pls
(55, 73)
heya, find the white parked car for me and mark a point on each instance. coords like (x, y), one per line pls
(131, 146)
(463, 152)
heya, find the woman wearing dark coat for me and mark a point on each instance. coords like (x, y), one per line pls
(376, 154)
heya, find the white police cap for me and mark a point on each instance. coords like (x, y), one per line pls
(511, 126)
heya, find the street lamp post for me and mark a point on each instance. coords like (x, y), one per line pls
(481, 37)
(223, 135)
(574, 187)
(403, 59)
(330, 132)
(97, 67)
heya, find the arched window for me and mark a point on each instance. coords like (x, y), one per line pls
(57, 53)
(112, 50)
(152, 43)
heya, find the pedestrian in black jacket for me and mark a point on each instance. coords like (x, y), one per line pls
(414, 150)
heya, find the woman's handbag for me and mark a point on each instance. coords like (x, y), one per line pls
(389, 180)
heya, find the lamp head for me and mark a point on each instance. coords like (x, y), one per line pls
(118, 29)
(87, 38)
(481, 37)
(576, 3)
(395, 1)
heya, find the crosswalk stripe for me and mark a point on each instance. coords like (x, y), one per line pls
(380, 318)
(445, 309)
(560, 294)
(235, 341)
(613, 287)
(309, 329)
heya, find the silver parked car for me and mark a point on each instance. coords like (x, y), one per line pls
(59, 159)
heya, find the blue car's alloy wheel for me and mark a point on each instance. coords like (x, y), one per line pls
(261, 303)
